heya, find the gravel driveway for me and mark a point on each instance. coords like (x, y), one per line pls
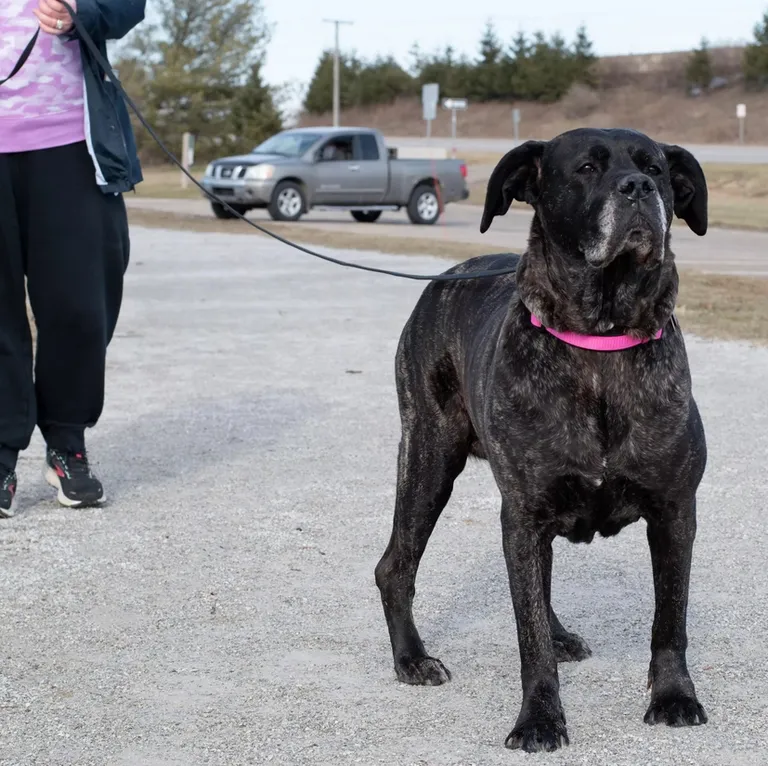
(222, 609)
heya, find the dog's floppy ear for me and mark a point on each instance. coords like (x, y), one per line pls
(514, 178)
(689, 187)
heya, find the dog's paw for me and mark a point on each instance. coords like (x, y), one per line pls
(675, 709)
(570, 647)
(538, 736)
(422, 671)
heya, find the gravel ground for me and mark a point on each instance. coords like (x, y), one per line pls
(222, 609)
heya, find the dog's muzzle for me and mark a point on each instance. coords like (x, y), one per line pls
(632, 221)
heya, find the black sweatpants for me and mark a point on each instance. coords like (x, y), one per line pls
(71, 242)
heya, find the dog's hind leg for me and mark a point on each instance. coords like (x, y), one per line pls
(432, 454)
(569, 647)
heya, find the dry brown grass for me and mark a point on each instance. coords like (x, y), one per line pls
(738, 193)
(711, 306)
(667, 115)
(165, 183)
(305, 233)
(731, 308)
(664, 70)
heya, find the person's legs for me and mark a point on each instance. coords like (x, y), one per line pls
(17, 399)
(78, 249)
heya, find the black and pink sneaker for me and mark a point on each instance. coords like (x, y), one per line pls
(71, 474)
(7, 493)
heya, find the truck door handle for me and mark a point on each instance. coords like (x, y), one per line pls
(353, 167)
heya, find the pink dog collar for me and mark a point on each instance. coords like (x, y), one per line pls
(595, 342)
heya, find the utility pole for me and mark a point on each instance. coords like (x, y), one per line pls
(336, 74)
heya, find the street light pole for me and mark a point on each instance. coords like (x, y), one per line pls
(336, 68)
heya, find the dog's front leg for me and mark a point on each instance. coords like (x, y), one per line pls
(673, 697)
(541, 723)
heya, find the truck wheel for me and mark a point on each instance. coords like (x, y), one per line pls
(288, 203)
(424, 206)
(366, 216)
(224, 213)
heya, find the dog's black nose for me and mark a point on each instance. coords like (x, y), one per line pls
(637, 186)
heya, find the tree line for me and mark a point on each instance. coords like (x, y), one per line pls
(198, 68)
(533, 68)
(700, 71)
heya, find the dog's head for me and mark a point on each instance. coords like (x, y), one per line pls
(600, 194)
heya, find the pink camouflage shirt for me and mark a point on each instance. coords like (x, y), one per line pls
(43, 105)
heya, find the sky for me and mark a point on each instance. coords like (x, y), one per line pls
(393, 26)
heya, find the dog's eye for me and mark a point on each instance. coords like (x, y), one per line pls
(587, 167)
(654, 170)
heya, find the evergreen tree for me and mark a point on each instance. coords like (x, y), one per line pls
(319, 98)
(583, 57)
(381, 81)
(698, 70)
(487, 82)
(755, 63)
(254, 115)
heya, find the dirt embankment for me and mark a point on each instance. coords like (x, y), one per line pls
(645, 92)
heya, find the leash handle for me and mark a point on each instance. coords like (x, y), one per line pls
(23, 58)
(108, 72)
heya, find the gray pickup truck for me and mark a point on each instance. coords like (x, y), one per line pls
(334, 168)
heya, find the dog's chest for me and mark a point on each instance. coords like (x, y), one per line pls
(591, 443)
(579, 510)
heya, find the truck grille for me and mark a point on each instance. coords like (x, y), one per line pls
(229, 172)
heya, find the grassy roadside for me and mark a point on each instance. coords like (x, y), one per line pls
(710, 306)
(738, 194)
(308, 235)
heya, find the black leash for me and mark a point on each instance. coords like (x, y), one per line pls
(107, 69)
(23, 58)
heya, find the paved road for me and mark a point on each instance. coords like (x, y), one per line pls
(727, 153)
(720, 251)
(222, 610)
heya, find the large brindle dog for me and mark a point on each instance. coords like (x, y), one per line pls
(570, 377)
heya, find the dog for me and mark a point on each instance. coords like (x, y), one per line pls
(570, 377)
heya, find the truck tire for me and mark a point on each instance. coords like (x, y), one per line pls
(288, 202)
(224, 214)
(424, 205)
(366, 216)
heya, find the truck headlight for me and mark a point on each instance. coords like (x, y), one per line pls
(259, 172)
(209, 170)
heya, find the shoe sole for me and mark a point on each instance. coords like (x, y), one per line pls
(9, 513)
(53, 479)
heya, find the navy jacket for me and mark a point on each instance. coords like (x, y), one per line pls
(108, 130)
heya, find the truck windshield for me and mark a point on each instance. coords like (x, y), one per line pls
(292, 144)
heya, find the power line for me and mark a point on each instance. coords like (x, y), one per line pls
(336, 74)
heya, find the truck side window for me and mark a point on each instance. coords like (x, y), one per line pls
(339, 149)
(369, 147)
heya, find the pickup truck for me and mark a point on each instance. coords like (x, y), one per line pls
(334, 168)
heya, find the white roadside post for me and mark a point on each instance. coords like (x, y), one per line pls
(455, 105)
(741, 114)
(430, 96)
(516, 123)
(187, 156)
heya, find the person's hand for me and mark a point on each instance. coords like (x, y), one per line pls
(54, 18)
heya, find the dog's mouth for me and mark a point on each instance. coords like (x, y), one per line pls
(641, 238)
(644, 238)
(638, 235)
